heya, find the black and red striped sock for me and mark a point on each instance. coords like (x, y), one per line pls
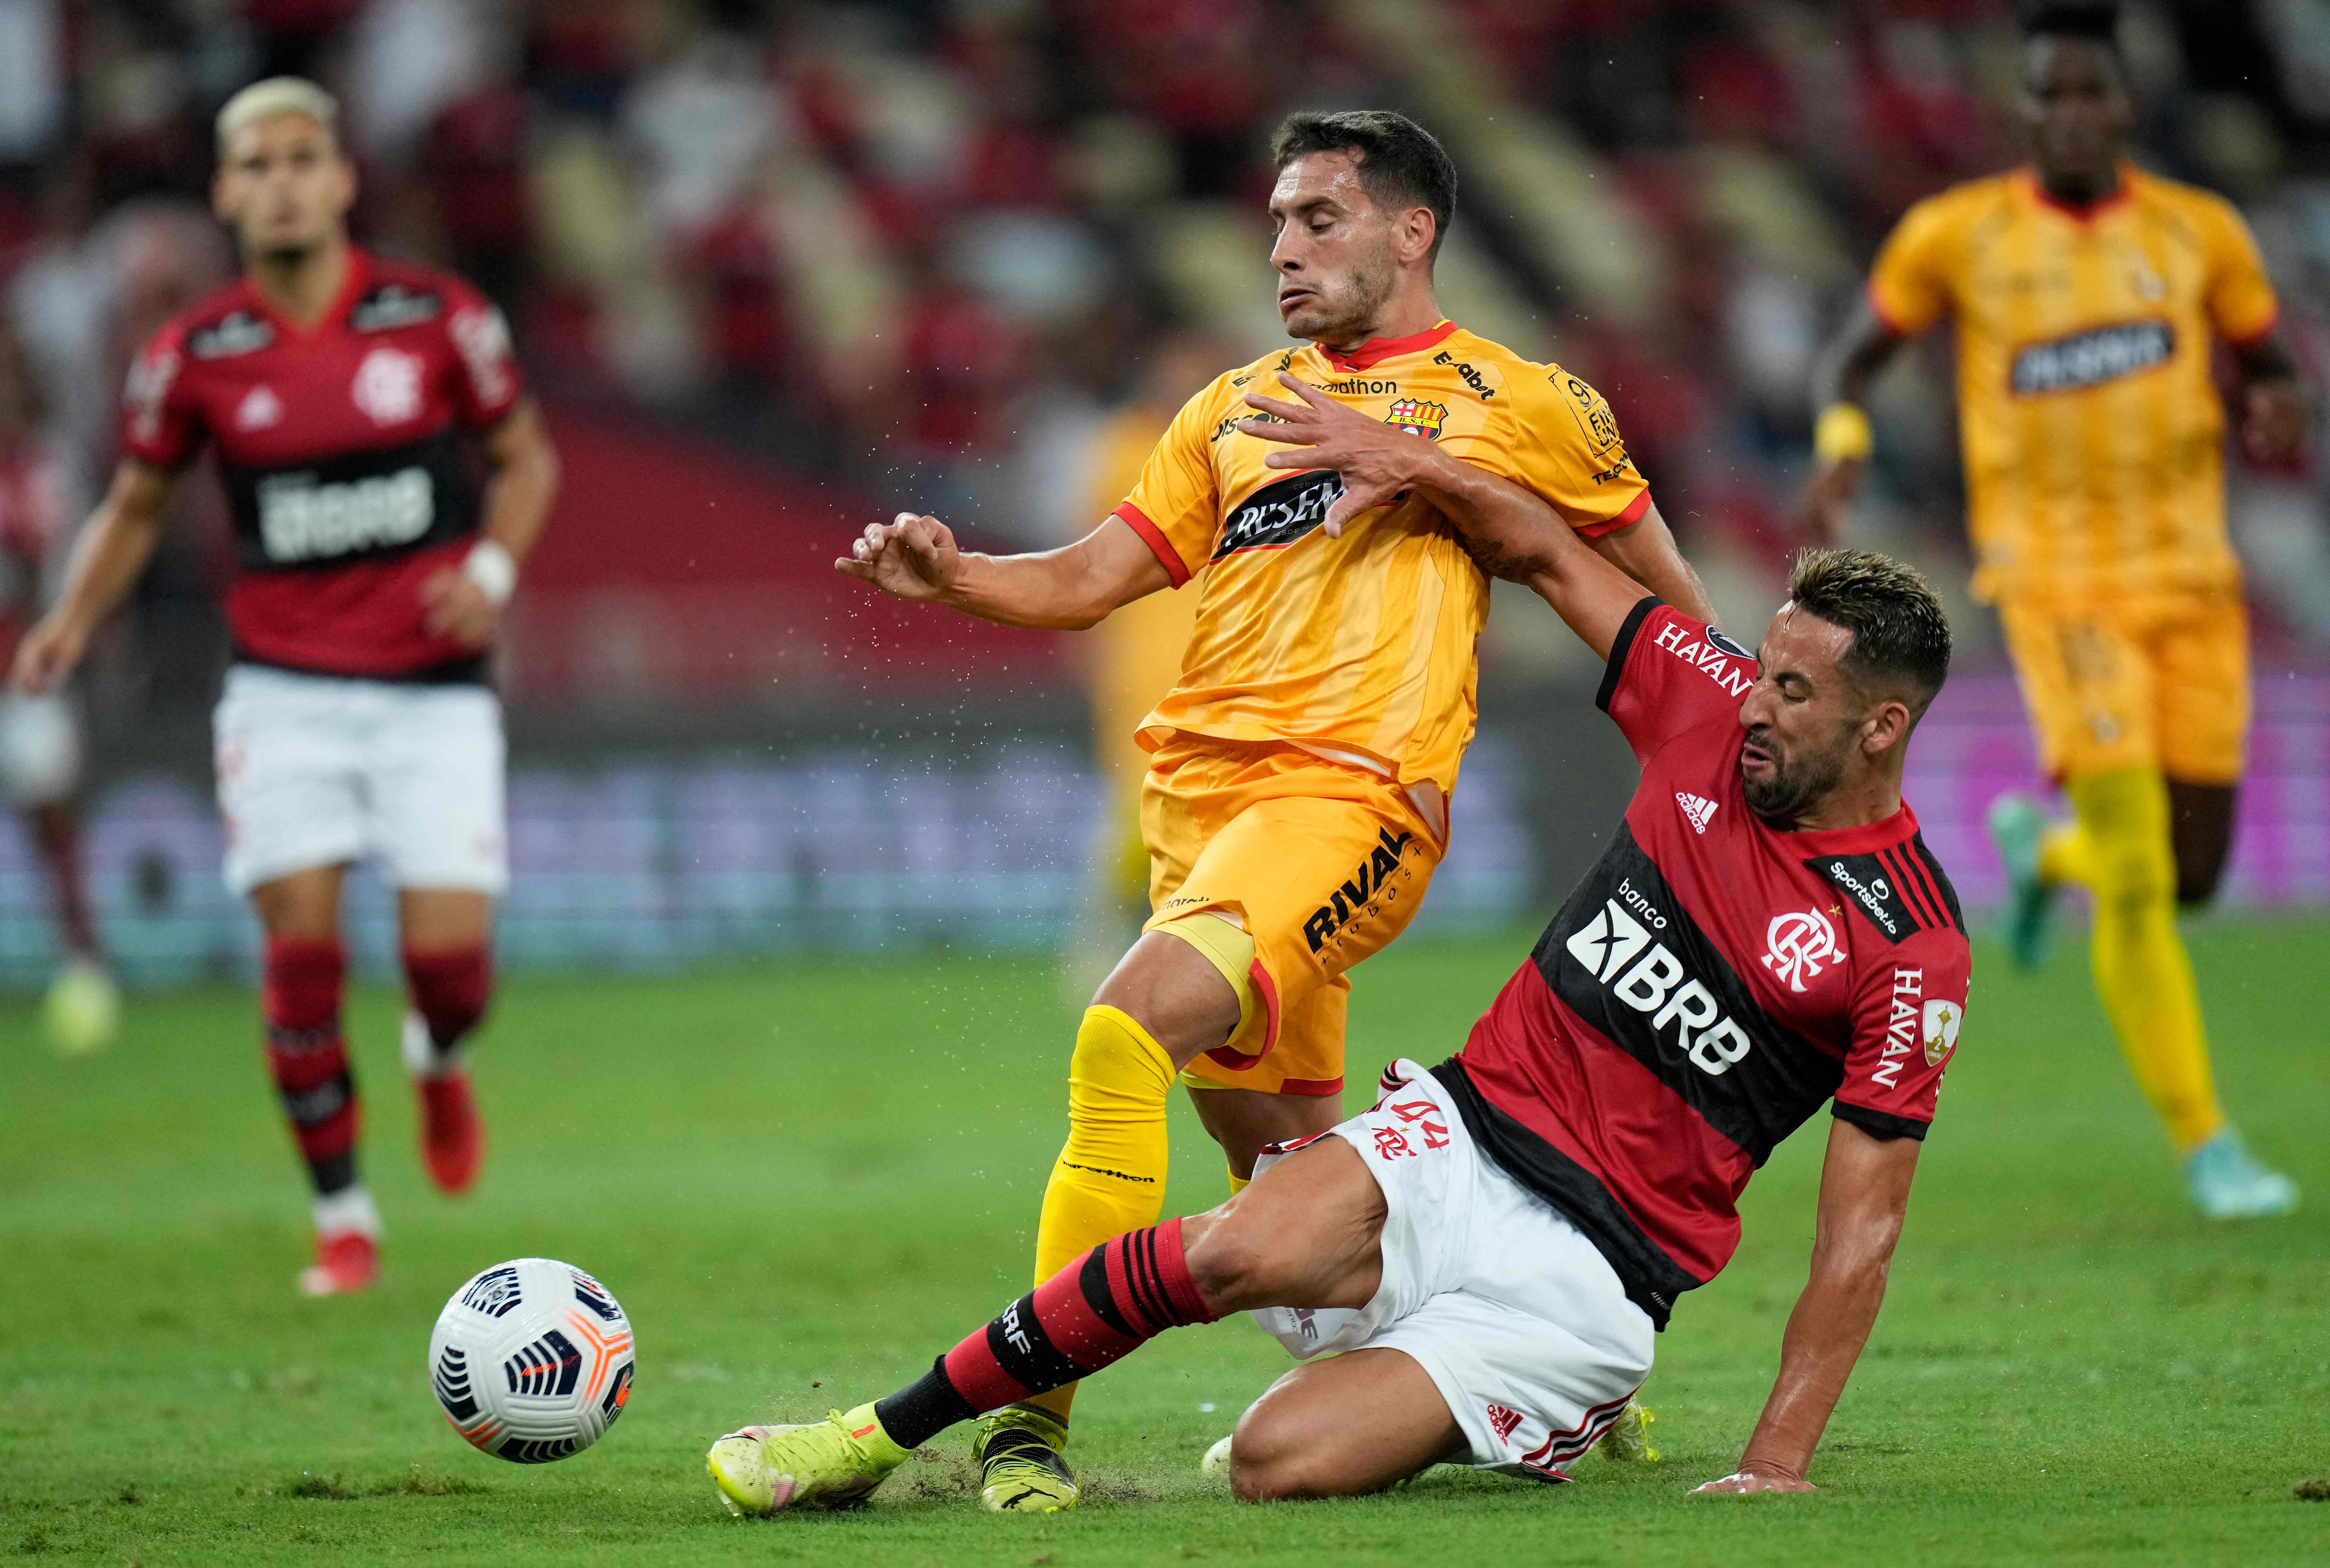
(309, 1057)
(449, 987)
(1090, 1315)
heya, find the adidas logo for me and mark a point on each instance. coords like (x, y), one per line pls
(1698, 808)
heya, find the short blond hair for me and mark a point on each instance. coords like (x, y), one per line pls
(277, 95)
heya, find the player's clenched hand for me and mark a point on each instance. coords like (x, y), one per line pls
(1375, 461)
(1755, 1479)
(910, 557)
(47, 653)
(453, 606)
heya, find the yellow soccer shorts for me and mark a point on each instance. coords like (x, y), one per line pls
(1322, 863)
(2158, 681)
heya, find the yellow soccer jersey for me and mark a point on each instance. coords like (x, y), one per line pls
(2093, 436)
(1362, 646)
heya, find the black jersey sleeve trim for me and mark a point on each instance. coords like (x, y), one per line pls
(1621, 646)
(1878, 1124)
(1652, 1279)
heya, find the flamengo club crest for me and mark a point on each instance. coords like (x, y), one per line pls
(1417, 417)
(1797, 947)
(387, 386)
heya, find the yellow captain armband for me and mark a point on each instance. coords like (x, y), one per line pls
(1842, 435)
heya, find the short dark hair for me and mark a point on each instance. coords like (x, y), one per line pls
(2096, 21)
(1401, 164)
(1900, 632)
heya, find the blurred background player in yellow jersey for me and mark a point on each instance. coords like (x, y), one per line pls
(1295, 804)
(2088, 297)
(1132, 660)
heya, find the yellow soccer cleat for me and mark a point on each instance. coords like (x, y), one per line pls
(1628, 1440)
(825, 1464)
(1021, 1469)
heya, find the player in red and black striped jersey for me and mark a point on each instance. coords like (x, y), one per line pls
(342, 395)
(1494, 1245)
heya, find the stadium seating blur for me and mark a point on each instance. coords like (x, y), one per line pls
(777, 268)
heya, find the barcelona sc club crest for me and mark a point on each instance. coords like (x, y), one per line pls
(1417, 418)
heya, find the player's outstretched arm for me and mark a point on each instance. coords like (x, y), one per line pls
(1644, 550)
(915, 558)
(1510, 531)
(1864, 1193)
(112, 550)
(1841, 437)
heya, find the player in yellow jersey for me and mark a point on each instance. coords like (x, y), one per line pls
(2087, 295)
(1297, 797)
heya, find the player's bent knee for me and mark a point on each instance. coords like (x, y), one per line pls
(1233, 1266)
(1276, 1459)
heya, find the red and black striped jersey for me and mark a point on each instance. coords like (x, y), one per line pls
(340, 445)
(1710, 984)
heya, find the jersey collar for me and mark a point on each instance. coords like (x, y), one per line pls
(2122, 193)
(352, 287)
(1898, 828)
(1376, 349)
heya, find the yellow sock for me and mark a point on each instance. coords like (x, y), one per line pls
(1110, 1178)
(1238, 1184)
(2065, 856)
(2142, 969)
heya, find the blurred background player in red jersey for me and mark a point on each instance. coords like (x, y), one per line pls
(371, 573)
(42, 751)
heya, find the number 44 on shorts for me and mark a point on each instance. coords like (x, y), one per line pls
(1391, 1142)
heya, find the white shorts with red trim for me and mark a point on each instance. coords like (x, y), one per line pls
(319, 771)
(1517, 1318)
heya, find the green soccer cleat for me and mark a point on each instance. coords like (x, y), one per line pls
(1628, 1439)
(826, 1464)
(1020, 1466)
(2228, 1183)
(2016, 826)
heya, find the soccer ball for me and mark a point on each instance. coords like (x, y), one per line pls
(531, 1360)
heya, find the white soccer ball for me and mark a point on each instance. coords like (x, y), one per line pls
(531, 1360)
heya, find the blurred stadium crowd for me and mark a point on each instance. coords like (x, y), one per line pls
(923, 250)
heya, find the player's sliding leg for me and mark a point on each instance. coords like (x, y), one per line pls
(1342, 1425)
(301, 994)
(1308, 1232)
(2144, 976)
(448, 979)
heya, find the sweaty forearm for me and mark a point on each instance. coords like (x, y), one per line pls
(1824, 1337)
(1050, 591)
(1645, 551)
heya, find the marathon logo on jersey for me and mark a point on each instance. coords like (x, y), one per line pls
(237, 331)
(393, 305)
(1711, 652)
(1618, 950)
(1278, 514)
(2087, 359)
(302, 520)
(1798, 946)
(1360, 892)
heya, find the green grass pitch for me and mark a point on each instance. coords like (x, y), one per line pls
(803, 1181)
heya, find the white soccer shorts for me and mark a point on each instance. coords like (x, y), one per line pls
(317, 770)
(1517, 1318)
